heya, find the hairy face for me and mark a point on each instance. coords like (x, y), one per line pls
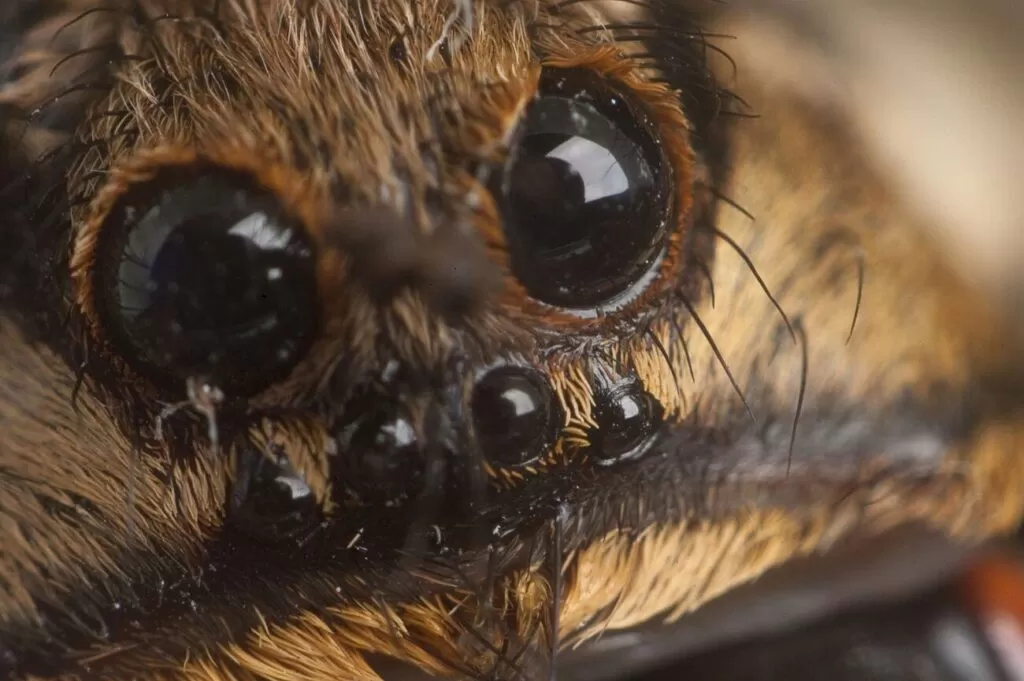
(451, 334)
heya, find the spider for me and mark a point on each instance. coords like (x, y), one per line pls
(360, 339)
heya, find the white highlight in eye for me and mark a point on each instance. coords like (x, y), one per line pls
(522, 401)
(258, 229)
(296, 487)
(401, 431)
(631, 410)
(601, 172)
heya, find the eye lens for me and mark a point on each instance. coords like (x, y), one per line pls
(586, 204)
(627, 417)
(209, 278)
(513, 416)
(270, 502)
(382, 460)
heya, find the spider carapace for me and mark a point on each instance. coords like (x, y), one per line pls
(337, 335)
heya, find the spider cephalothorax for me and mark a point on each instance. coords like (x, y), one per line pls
(438, 332)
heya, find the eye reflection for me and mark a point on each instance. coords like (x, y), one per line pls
(628, 418)
(381, 460)
(585, 191)
(513, 416)
(270, 502)
(212, 279)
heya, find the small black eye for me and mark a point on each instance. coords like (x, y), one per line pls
(513, 416)
(269, 501)
(207, 276)
(585, 193)
(627, 418)
(380, 459)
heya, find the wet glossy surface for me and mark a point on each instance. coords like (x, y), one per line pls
(628, 418)
(585, 205)
(513, 416)
(381, 460)
(270, 502)
(209, 277)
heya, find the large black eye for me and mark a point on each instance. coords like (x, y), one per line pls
(585, 192)
(513, 416)
(206, 276)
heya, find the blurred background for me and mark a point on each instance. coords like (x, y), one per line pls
(936, 89)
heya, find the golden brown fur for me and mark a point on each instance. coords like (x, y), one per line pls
(899, 420)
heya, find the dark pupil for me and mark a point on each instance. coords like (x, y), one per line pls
(585, 206)
(512, 416)
(211, 280)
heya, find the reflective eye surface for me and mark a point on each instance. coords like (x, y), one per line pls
(628, 418)
(382, 459)
(513, 416)
(208, 277)
(270, 502)
(586, 199)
